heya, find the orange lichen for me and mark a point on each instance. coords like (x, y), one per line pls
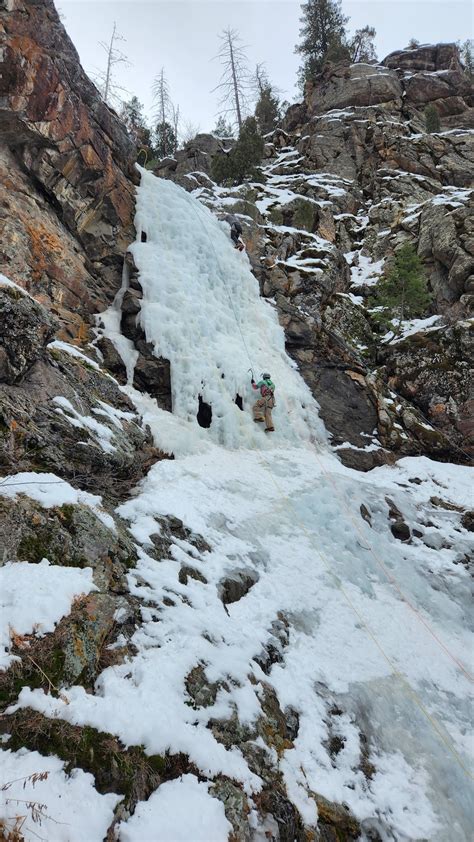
(46, 247)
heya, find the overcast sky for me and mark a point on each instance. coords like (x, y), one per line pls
(183, 35)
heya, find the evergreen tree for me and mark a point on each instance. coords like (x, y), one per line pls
(267, 111)
(323, 28)
(432, 119)
(267, 108)
(361, 45)
(337, 51)
(165, 141)
(240, 162)
(223, 128)
(132, 115)
(413, 44)
(167, 116)
(403, 292)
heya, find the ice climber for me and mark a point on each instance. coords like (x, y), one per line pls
(235, 231)
(262, 409)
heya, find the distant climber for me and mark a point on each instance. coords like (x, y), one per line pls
(262, 409)
(235, 231)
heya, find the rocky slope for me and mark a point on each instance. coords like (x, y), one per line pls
(349, 176)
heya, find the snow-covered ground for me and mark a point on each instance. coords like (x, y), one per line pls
(378, 629)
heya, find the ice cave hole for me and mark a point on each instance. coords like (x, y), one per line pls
(204, 414)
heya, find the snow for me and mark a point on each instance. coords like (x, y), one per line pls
(364, 271)
(6, 282)
(49, 490)
(73, 351)
(354, 299)
(412, 326)
(379, 629)
(34, 597)
(163, 819)
(103, 435)
(340, 599)
(73, 811)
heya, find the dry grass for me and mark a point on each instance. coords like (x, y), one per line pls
(11, 829)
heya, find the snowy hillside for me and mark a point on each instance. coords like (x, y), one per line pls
(290, 649)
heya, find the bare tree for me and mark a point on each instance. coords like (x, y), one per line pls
(260, 79)
(166, 116)
(105, 78)
(235, 82)
(161, 97)
(176, 119)
(189, 132)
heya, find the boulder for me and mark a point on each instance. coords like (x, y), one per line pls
(426, 87)
(428, 57)
(444, 234)
(347, 86)
(36, 433)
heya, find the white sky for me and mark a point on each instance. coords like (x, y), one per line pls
(182, 36)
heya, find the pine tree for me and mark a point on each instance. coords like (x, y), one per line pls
(413, 44)
(322, 30)
(432, 121)
(132, 115)
(267, 108)
(403, 292)
(222, 128)
(165, 141)
(361, 45)
(166, 116)
(242, 161)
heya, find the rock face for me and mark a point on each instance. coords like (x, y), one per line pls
(434, 371)
(66, 165)
(51, 402)
(354, 85)
(406, 81)
(25, 329)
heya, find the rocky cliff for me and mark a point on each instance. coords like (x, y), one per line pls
(350, 176)
(66, 170)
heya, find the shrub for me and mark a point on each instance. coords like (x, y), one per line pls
(403, 291)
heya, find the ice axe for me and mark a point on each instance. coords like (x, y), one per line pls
(251, 373)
